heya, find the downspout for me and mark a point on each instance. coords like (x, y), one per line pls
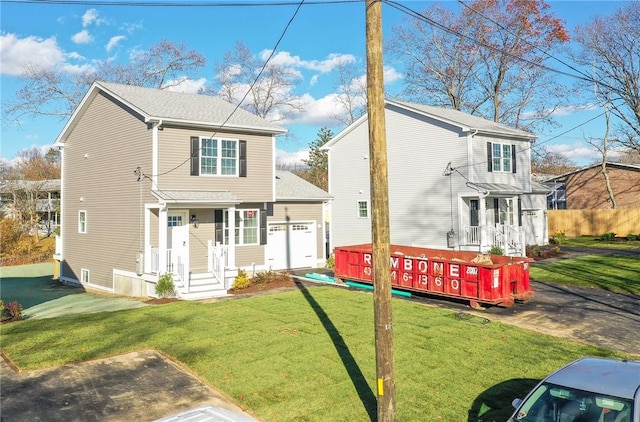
(470, 155)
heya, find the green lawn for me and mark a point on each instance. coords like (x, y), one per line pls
(595, 242)
(619, 274)
(309, 354)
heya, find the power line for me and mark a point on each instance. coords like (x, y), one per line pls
(264, 66)
(410, 12)
(159, 3)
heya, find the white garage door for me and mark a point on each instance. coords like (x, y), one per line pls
(291, 245)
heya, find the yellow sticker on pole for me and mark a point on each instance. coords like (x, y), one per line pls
(380, 387)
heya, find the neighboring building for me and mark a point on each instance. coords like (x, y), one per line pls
(586, 188)
(32, 198)
(455, 181)
(158, 182)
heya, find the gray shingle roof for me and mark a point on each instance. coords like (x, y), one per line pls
(460, 118)
(189, 108)
(185, 196)
(291, 187)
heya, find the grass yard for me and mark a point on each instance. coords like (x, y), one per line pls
(596, 242)
(309, 354)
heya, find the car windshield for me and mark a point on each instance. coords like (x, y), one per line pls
(554, 403)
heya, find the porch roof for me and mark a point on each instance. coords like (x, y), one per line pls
(190, 196)
(499, 188)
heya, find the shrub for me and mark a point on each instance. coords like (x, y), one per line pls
(496, 250)
(165, 287)
(13, 311)
(633, 236)
(533, 251)
(331, 262)
(266, 277)
(560, 238)
(242, 281)
(608, 236)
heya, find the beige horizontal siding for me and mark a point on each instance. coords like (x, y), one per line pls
(99, 178)
(175, 169)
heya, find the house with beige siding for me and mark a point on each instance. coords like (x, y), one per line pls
(455, 181)
(157, 182)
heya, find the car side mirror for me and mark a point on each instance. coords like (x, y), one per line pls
(516, 403)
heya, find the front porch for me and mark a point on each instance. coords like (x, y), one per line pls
(511, 240)
(195, 243)
(487, 222)
(194, 283)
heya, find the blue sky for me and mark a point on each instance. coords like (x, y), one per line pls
(72, 36)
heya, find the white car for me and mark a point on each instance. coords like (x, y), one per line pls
(587, 390)
(207, 413)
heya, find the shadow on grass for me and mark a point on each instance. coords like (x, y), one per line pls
(494, 404)
(32, 291)
(357, 377)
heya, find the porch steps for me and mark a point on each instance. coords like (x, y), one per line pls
(202, 286)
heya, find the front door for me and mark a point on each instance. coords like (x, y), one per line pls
(178, 243)
(474, 206)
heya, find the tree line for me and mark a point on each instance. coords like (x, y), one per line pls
(496, 59)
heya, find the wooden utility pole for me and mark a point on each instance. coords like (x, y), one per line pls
(383, 320)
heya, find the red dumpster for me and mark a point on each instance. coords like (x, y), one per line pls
(478, 278)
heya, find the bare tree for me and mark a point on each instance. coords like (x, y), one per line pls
(352, 92)
(484, 60)
(602, 146)
(27, 183)
(547, 161)
(611, 49)
(266, 90)
(52, 92)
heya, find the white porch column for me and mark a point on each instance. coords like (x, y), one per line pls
(147, 240)
(231, 251)
(162, 238)
(482, 219)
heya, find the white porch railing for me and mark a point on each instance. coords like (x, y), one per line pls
(177, 270)
(217, 261)
(509, 239)
(471, 235)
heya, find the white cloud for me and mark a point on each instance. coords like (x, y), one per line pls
(114, 41)
(89, 17)
(189, 86)
(579, 153)
(284, 58)
(572, 109)
(291, 158)
(82, 37)
(16, 53)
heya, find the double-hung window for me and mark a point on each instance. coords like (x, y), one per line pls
(82, 221)
(363, 209)
(218, 157)
(501, 157)
(247, 227)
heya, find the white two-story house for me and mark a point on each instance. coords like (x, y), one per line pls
(455, 181)
(157, 182)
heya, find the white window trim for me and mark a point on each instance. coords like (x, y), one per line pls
(80, 213)
(219, 157)
(368, 209)
(83, 279)
(500, 169)
(240, 227)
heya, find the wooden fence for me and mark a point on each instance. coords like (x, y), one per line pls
(594, 222)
